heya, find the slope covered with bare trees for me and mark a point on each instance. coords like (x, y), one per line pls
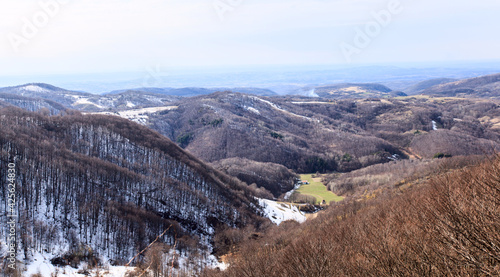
(316, 134)
(108, 187)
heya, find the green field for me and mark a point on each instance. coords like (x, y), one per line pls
(316, 189)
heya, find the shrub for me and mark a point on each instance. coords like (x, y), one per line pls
(184, 140)
(441, 155)
(277, 135)
(216, 122)
(73, 258)
(300, 198)
(347, 157)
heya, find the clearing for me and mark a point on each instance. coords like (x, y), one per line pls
(316, 189)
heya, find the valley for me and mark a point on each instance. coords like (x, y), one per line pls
(230, 138)
(101, 177)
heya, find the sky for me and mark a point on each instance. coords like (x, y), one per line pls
(92, 36)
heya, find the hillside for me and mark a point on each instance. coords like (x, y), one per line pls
(276, 130)
(303, 134)
(447, 226)
(480, 87)
(275, 178)
(46, 91)
(112, 186)
(100, 182)
(34, 97)
(31, 104)
(311, 134)
(114, 102)
(420, 86)
(195, 91)
(353, 90)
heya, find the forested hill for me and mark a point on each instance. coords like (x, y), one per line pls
(112, 185)
(445, 226)
(487, 87)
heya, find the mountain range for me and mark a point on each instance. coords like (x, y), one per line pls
(100, 177)
(304, 134)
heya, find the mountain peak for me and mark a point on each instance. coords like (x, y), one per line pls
(39, 87)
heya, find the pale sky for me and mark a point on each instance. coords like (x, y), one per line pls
(88, 36)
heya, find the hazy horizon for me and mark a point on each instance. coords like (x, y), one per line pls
(74, 37)
(277, 78)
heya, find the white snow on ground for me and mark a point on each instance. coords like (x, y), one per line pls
(34, 88)
(41, 264)
(222, 266)
(279, 212)
(154, 99)
(252, 109)
(146, 110)
(130, 104)
(288, 194)
(85, 101)
(139, 115)
(269, 103)
(276, 107)
(434, 125)
(312, 102)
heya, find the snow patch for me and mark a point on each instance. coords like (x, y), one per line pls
(139, 115)
(276, 107)
(434, 125)
(279, 212)
(253, 110)
(394, 157)
(41, 264)
(288, 194)
(85, 101)
(269, 103)
(137, 112)
(130, 104)
(311, 102)
(34, 88)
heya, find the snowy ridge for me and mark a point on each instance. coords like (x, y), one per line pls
(85, 101)
(278, 108)
(139, 115)
(279, 212)
(34, 88)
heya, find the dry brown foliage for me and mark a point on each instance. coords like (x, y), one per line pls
(448, 227)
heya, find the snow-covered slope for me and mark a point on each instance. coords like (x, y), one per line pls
(41, 265)
(109, 187)
(81, 100)
(279, 212)
(139, 115)
(34, 88)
